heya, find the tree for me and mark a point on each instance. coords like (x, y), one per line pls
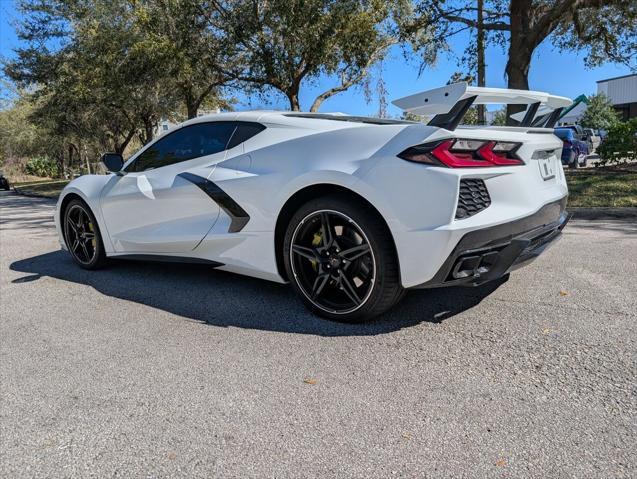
(599, 114)
(605, 29)
(620, 146)
(191, 52)
(282, 44)
(499, 118)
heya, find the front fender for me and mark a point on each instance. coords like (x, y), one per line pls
(89, 189)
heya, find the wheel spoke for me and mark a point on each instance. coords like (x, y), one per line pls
(72, 225)
(328, 235)
(349, 289)
(356, 252)
(308, 253)
(80, 213)
(76, 243)
(319, 284)
(89, 236)
(85, 249)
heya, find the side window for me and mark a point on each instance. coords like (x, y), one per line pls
(190, 142)
(245, 130)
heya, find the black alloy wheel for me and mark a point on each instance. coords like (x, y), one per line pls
(341, 261)
(82, 235)
(333, 261)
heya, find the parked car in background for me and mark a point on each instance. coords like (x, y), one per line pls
(4, 183)
(592, 138)
(574, 150)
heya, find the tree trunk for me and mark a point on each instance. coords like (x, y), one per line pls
(293, 98)
(521, 46)
(119, 148)
(146, 135)
(88, 163)
(70, 156)
(481, 65)
(192, 107)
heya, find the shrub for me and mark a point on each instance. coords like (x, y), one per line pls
(41, 166)
(620, 145)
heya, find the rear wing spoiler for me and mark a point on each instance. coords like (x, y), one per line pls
(449, 104)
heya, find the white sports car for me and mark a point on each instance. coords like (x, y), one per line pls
(352, 211)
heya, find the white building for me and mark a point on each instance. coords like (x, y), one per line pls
(622, 92)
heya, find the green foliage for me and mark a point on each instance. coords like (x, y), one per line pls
(500, 118)
(282, 44)
(620, 145)
(42, 166)
(19, 137)
(603, 30)
(599, 114)
(471, 117)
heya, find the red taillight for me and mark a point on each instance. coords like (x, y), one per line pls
(463, 153)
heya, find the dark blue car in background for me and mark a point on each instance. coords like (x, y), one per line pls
(574, 150)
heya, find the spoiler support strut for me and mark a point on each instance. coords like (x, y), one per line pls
(451, 120)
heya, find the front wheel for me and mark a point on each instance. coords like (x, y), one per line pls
(82, 235)
(340, 259)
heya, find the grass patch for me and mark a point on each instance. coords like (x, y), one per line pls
(50, 189)
(29, 183)
(612, 187)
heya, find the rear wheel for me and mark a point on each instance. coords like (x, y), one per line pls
(574, 160)
(82, 235)
(340, 259)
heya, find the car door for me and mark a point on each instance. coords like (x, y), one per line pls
(157, 207)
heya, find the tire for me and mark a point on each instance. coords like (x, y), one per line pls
(573, 158)
(82, 235)
(350, 275)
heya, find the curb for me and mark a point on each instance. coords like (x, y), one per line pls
(602, 213)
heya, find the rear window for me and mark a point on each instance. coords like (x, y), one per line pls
(564, 133)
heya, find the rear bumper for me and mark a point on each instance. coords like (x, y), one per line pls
(487, 254)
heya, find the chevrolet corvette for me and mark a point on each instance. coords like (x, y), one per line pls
(351, 211)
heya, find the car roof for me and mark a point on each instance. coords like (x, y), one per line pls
(321, 121)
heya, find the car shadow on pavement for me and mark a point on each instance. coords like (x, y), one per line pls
(223, 299)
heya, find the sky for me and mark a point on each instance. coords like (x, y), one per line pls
(559, 73)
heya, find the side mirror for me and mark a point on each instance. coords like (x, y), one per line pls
(113, 162)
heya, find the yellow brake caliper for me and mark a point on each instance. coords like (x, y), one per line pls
(318, 237)
(90, 227)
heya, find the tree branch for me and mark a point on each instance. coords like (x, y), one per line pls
(348, 83)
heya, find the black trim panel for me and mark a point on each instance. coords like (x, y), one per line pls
(237, 214)
(167, 259)
(515, 242)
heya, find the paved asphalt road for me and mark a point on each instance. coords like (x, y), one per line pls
(146, 370)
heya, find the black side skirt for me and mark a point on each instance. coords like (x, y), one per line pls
(160, 258)
(239, 217)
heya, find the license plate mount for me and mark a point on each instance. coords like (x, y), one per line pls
(547, 168)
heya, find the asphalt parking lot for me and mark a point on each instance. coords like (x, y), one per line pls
(148, 370)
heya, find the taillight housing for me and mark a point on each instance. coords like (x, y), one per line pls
(464, 153)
